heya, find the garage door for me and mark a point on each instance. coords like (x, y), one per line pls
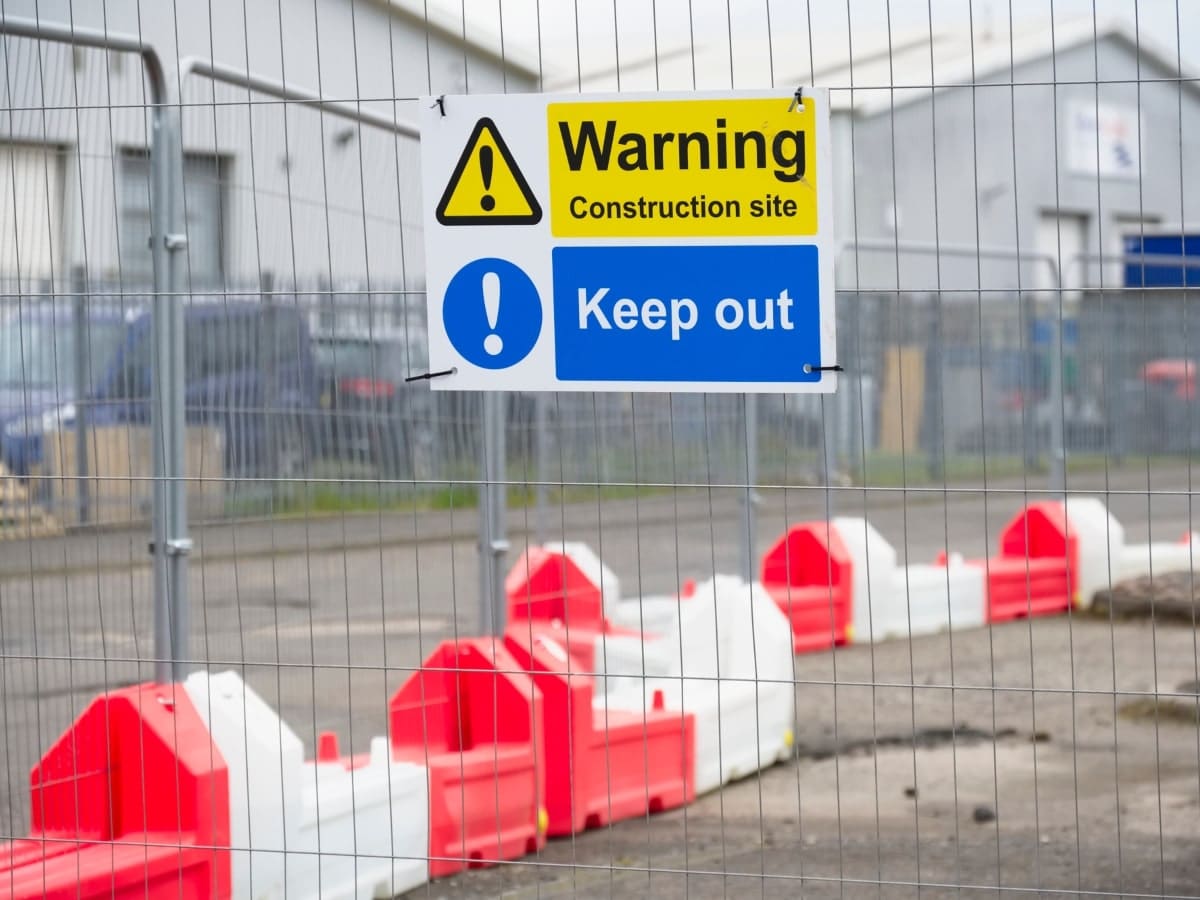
(30, 212)
(202, 207)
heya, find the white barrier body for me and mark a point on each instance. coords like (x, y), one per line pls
(941, 598)
(874, 612)
(1160, 557)
(372, 822)
(893, 601)
(624, 662)
(370, 825)
(1106, 558)
(1099, 546)
(652, 615)
(729, 656)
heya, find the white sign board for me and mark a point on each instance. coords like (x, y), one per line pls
(1103, 141)
(629, 242)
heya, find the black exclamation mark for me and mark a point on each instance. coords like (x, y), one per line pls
(488, 202)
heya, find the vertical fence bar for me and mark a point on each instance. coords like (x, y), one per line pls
(749, 497)
(1058, 449)
(270, 395)
(541, 468)
(83, 367)
(493, 543)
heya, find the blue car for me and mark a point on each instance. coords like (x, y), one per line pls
(249, 370)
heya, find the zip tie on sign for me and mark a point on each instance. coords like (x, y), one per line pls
(440, 103)
(428, 375)
(797, 100)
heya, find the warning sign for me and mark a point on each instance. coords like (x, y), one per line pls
(666, 242)
(683, 168)
(487, 187)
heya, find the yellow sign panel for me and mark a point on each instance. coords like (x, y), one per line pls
(683, 168)
(487, 187)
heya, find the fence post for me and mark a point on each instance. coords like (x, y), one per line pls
(171, 543)
(493, 544)
(82, 399)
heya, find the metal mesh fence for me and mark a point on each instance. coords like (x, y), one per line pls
(977, 555)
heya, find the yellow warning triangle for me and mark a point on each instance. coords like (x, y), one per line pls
(487, 188)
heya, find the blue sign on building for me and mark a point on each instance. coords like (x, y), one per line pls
(1157, 270)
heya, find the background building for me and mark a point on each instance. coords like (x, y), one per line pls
(270, 188)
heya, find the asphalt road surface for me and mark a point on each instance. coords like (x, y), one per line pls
(326, 617)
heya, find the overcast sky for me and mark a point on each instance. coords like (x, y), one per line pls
(601, 29)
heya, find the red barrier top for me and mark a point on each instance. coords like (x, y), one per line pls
(133, 800)
(1039, 531)
(810, 554)
(545, 585)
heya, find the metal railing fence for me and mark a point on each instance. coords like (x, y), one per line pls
(212, 297)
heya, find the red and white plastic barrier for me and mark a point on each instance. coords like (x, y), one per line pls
(565, 589)
(476, 723)
(132, 801)
(199, 790)
(1104, 556)
(894, 601)
(603, 764)
(726, 659)
(324, 828)
(719, 653)
(808, 574)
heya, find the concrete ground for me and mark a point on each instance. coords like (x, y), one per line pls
(897, 749)
(326, 617)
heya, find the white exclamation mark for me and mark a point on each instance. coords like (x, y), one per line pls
(493, 343)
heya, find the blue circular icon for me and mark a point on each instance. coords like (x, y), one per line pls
(492, 313)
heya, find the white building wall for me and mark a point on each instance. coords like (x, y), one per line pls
(997, 157)
(302, 199)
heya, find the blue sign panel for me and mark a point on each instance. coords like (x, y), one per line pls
(1156, 270)
(734, 313)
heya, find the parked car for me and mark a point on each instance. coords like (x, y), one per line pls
(248, 369)
(369, 412)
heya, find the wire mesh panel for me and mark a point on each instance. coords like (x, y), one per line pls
(931, 635)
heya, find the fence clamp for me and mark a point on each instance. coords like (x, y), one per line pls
(175, 241)
(499, 547)
(175, 547)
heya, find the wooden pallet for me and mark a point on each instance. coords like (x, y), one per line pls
(20, 518)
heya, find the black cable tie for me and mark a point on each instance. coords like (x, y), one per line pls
(429, 375)
(440, 103)
(809, 368)
(797, 100)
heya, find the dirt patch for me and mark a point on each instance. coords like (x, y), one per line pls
(1185, 712)
(1171, 597)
